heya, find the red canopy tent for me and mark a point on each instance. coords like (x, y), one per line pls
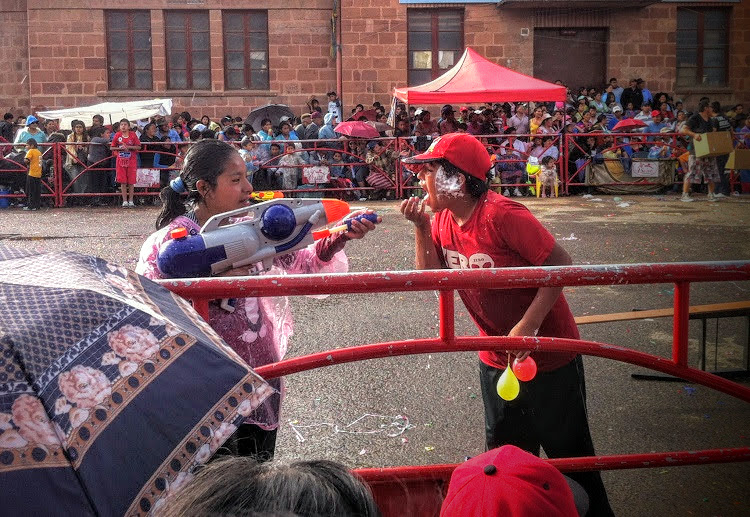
(476, 79)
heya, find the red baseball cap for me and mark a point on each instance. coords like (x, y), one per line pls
(462, 150)
(510, 482)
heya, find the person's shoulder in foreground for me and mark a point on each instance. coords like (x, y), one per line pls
(510, 482)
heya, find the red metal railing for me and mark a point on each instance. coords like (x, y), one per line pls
(574, 158)
(420, 490)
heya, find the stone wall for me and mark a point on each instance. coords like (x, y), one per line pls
(14, 58)
(54, 53)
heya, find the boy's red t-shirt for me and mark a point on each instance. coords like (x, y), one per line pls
(126, 159)
(503, 233)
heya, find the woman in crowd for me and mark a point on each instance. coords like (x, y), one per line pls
(536, 120)
(77, 156)
(214, 178)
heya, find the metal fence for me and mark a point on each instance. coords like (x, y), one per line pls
(612, 162)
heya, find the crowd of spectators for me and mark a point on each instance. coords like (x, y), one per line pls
(277, 156)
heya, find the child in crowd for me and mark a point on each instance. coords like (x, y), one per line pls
(341, 178)
(126, 144)
(33, 160)
(548, 177)
(661, 148)
(266, 177)
(248, 151)
(290, 171)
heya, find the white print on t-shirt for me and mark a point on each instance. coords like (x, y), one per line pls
(449, 186)
(455, 260)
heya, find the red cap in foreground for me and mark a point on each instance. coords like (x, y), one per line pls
(509, 482)
(462, 150)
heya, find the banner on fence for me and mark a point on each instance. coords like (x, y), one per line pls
(148, 178)
(645, 169)
(316, 174)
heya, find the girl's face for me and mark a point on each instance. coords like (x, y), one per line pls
(205, 121)
(151, 131)
(232, 190)
(286, 129)
(124, 127)
(181, 121)
(79, 129)
(630, 106)
(598, 96)
(538, 112)
(267, 127)
(664, 107)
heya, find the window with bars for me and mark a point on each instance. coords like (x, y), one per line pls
(702, 46)
(188, 49)
(435, 42)
(245, 50)
(129, 65)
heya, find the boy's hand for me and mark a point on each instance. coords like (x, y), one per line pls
(413, 210)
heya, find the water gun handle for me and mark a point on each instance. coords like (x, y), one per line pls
(370, 217)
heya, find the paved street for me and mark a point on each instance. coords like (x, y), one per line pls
(439, 394)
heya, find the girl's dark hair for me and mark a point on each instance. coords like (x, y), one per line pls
(265, 121)
(236, 485)
(547, 159)
(474, 186)
(205, 160)
(145, 128)
(84, 135)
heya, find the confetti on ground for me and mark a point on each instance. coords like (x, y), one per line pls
(363, 452)
(392, 426)
(571, 238)
(429, 448)
(473, 396)
(689, 390)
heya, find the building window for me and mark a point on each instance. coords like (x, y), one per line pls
(129, 50)
(246, 50)
(188, 49)
(436, 42)
(702, 47)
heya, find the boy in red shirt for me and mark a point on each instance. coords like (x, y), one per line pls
(477, 228)
(126, 145)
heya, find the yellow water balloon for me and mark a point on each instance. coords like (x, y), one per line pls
(507, 385)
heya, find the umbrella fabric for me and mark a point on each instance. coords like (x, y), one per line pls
(274, 112)
(381, 127)
(356, 129)
(629, 123)
(370, 115)
(112, 389)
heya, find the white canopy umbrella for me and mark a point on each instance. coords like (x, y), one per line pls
(111, 111)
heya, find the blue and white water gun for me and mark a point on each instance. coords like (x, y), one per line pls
(269, 229)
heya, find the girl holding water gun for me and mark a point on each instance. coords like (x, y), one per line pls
(215, 179)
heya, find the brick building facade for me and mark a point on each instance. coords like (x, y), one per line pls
(77, 52)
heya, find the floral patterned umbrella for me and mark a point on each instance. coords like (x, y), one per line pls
(112, 389)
